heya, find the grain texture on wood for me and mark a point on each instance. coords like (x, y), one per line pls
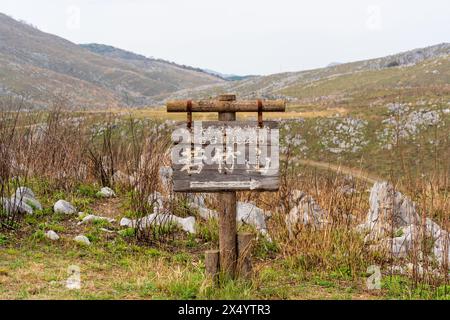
(227, 233)
(226, 155)
(212, 263)
(244, 264)
(214, 181)
(226, 106)
(227, 221)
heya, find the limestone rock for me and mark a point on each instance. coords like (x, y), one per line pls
(125, 222)
(106, 192)
(52, 235)
(91, 218)
(250, 214)
(15, 205)
(165, 174)
(82, 239)
(25, 192)
(305, 211)
(62, 206)
(393, 213)
(389, 210)
(154, 219)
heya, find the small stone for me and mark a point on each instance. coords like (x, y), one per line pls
(52, 235)
(62, 206)
(91, 218)
(106, 230)
(82, 239)
(25, 192)
(34, 203)
(125, 222)
(250, 214)
(187, 224)
(106, 192)
(16, 205)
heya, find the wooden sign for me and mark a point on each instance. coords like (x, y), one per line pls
(226, 156)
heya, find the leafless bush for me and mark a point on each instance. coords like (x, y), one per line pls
(146, 152)
(12, 168)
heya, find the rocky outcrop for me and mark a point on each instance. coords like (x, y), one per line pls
(23, 201)
(106, 192)
(82, 240)
(305, 211)
(155, 219)
(64, 207)
(52, 235)
(394, 227)
(90, 218)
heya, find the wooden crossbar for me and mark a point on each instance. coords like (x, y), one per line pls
(226, 106)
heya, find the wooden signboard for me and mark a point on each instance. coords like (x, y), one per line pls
(226, 156)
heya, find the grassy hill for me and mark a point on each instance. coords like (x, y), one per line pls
(412, 75)
(39, 66)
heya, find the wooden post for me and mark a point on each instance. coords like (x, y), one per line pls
(227, 215)
(212, 263)
(244, 265)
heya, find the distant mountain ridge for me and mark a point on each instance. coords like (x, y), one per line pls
(414, 73)
(230, 77)
(38, 66)
(122, 54)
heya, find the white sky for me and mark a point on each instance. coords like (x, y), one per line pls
(246, 36)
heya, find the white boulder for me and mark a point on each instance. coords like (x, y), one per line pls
(25, 192)
(106, 192)
(82, 239)
(15, 205)
(125, 222)
(154, 219)
(304, 211)
(52, 235)
(393, 213)
(389, 210)
(62, 206)
(248, 213)
(91, 218)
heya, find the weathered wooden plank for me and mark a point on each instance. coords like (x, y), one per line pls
(181, 172)
(226, 106)
(215, 181)
(230, 124)
(227, 164)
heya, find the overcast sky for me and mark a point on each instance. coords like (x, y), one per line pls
(244, 36)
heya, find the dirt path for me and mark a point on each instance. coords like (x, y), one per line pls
(355, 172)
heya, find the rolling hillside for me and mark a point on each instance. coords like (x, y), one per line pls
(410, 75)
(39, 66)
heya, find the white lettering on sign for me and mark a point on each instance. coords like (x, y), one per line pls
(226, 155)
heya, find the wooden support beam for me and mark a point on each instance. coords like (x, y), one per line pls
(227, 233)
(226, 105)
(244, 264)
(227, 215)
(212, 263)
